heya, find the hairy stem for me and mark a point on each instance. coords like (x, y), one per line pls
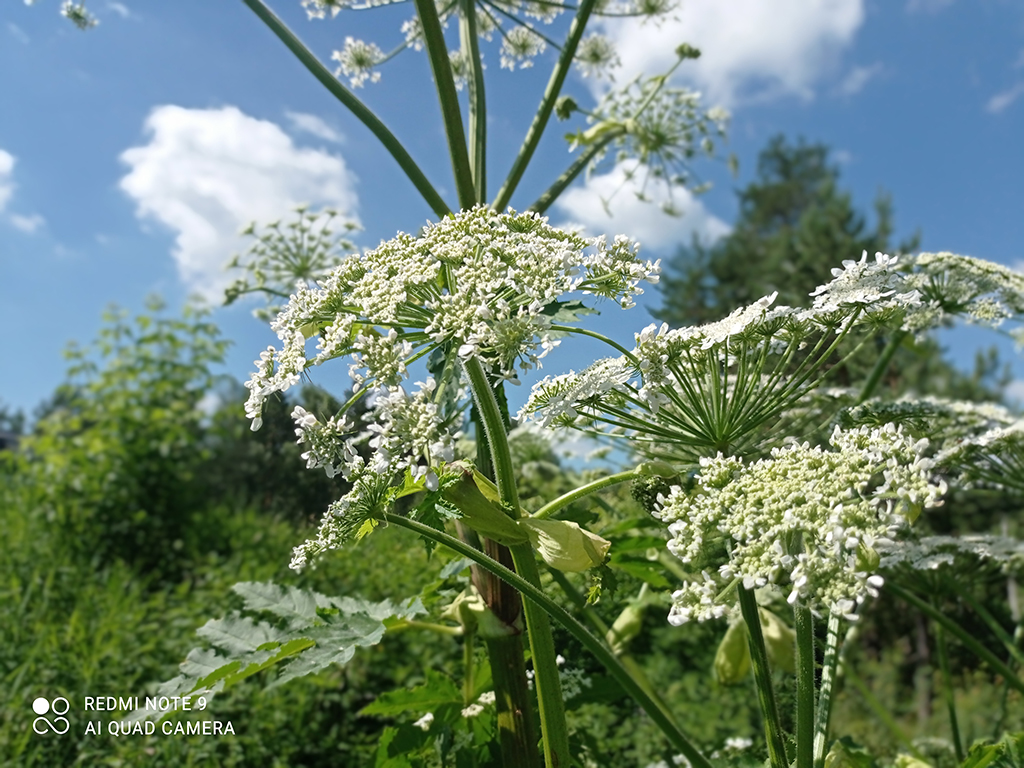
(583, 491)
(763, 679)
(803, 624)
(547, 104)
(361, 112)
(586, 638)
(569, 175)
(517, 731)
(477, 99)
(538, 626)
(828, 680)
(437, 51)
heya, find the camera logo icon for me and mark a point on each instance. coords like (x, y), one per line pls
(59, 707)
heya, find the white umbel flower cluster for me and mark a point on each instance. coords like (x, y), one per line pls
(806, 520)
(962, 286)
(479, 284)
(357, 61)
(699, 390)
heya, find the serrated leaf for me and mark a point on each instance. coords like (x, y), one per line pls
(455, 567)
(568, 311)
(438, 690)
(298, 606)
(239, 634)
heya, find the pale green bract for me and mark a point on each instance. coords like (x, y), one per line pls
(695, 391)
(805, 520)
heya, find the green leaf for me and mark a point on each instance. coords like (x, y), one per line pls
(438, 690)
(239, 634)
(846, 753)
(564, 545)
(567, 311)
(322, 631)
(298, 606)
(732, 659)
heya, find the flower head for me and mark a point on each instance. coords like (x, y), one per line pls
(805, 520)
(357, 61)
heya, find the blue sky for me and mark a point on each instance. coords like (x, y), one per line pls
(131, 154)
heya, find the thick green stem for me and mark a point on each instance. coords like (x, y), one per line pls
(959, 633)
(569, 176)
(354, 105)
(440, 65)
(828, 680)
(517, 731)
(881, 365)
(547, 104)
(948, 694)
(763, 679)
(494, 431)
(477, 100)
(583, 491)
(554, 729)
(803, 624)
(586, 638)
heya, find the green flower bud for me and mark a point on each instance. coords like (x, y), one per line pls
(732, 660)
(867, 559)
(470, 610)
(564, 107)
(626, 627)
(564, 545)
(481, 514)
(779, 641)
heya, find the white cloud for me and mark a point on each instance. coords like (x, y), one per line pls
(206, 173)
(302, 121)
(640, 220)
(120, 9)
(1002, 100)
(752, 50)
(27, 224)
(858, 77)
(6, 178)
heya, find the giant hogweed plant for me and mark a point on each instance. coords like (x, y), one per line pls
(775, 492)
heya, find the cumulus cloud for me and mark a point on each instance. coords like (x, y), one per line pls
(311, 124)
(27, 224)
(859, 77)
(1002, 100)
(752, 50)
(206, 173)
(584, 206)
